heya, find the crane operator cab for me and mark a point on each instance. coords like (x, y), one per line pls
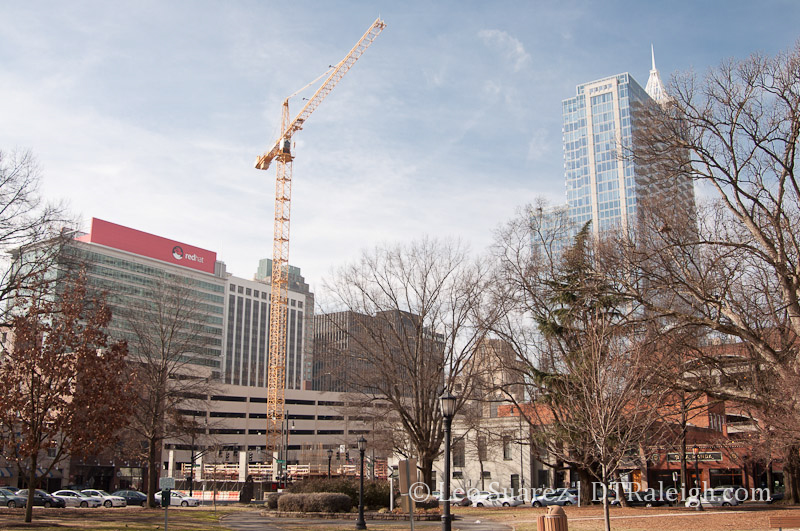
(286, 146)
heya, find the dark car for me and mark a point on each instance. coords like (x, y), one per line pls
(645, 498)
(42, 499)
(11, 500)
(133, 497)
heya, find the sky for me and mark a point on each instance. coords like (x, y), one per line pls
(150, 114)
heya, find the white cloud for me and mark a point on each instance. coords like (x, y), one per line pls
(511, 47)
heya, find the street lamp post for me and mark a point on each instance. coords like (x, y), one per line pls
(360, 523)
(447, 402)
(330, 455)
(696, 452)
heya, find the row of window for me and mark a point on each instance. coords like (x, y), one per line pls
(264, 294)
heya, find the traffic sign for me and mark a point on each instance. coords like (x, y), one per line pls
(166, 483)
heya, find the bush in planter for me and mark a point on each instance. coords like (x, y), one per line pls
(376, 492)
(271, 501)
(314, 502)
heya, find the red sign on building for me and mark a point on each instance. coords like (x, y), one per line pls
(145, 244)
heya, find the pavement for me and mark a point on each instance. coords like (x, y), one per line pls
(253, 521)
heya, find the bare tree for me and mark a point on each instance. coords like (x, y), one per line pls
(167, 335)
(737, 273)
(585, 352)
(416, 306)
(65, 388)
(25, 219)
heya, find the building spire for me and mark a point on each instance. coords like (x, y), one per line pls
(653, 55)
(655, 88)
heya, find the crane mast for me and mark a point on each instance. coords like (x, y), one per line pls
(281, 151)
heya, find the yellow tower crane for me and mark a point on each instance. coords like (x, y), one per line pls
(281, 151)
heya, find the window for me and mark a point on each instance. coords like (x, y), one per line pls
(486, 474)
(458, 454)
(481, 447)
(458, 474)
(507, 449)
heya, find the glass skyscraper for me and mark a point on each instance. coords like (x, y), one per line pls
(600, 176)
(604, 185)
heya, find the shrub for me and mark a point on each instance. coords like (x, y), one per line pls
(314, 502)
(376, 492)
(271, 501)
(430, 503)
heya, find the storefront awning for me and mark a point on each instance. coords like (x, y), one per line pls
(52, 474)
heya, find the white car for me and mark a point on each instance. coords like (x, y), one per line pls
(496, 499)
(714, 497)
(556, 497)
(73, 498)
(107, 499)
(179, 498)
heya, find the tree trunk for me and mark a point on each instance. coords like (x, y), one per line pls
(791, 471)
(770, 479)
(606, 515)
(621, 494)
(426, 466)
(586, 490)
(684, 475)
(152, 472)
(31, 488)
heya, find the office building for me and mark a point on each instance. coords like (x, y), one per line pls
(130, 264)
(604, 185)
(247, 309)
(339, 341)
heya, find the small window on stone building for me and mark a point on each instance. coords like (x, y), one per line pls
(459, 458)
(507, 448)
(481, 447)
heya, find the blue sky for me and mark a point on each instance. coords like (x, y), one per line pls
(150, 114)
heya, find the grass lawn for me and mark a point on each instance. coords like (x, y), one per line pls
(128, 518)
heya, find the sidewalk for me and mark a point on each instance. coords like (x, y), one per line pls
(252, 521)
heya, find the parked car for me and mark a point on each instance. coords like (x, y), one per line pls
(73, 498)
(555, 497)
(179, 498)
(460, 499)
(133, 497)
(737, 491)
(644, 498)
(776, 496)
(42, 499)
(11, 500)
(713, 497)
(11, 489)
(107, 499)
(503, 499)
(482, 499)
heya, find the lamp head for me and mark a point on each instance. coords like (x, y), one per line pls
(362, 444)
(447, 403)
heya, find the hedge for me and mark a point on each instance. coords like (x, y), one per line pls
(376, 492)
(271, 500)
(316, 502)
